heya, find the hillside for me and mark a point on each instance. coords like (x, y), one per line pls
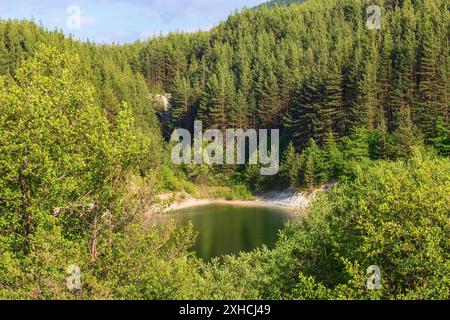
(85, 155)
(312, 70)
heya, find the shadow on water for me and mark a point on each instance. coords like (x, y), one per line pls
(227, 229)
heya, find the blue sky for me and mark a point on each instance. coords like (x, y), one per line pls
(123, 21)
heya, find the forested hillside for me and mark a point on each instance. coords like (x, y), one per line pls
(84, 153)
(315, 71)
(312, 69)
(111, 69)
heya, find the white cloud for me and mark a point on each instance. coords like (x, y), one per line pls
(88, 21)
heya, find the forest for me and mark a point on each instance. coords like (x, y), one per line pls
(85, 152)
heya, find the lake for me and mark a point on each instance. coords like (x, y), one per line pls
(227, 229)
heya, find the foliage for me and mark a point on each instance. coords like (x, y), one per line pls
(442, 140)
(238, 192)
(260, 69)
(394, 215)
(82, 155)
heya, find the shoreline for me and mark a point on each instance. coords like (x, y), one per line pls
(288, 201)
(192, 203)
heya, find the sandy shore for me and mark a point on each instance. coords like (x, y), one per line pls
(288, 200)
(190, 203)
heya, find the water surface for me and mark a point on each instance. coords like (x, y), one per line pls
(227, 229)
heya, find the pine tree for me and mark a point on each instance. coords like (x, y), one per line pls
(353, 72)
(314, 169)
(239, 113)
(368, 112)
(442, 140)
(268, 99)
(219, 96)
(291, 166)
(332, 112)
(180, 108)
(356, 145)
(308, 178)
(432, 83)
(385, 78)
(213, 105)
(333, 158)
(404, 93)
(380, 143)
(405, 137)
(285, 82)
(303, 119)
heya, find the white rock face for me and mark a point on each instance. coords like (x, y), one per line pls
(289, 199)
(163, 100)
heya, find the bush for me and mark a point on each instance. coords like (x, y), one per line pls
(170, 181)
(153, 264)
(394, 215)
(240, 192)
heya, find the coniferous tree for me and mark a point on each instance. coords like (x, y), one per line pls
(432, 82)
(333, 157)
(368, 112)
(332, 112)
(442, 140)
(180, 108)
(385, 78)
(268, 99)
(291, 166)
(308, 173)
(405, 137)
(404, 93)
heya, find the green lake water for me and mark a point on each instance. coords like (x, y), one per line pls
(226, 229)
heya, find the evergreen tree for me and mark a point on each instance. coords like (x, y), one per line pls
(291, 166)
(332, 112)
(385, 78)
(309, 169)
(442, 140)
(268, 99)
(405, 137)
(404, 93)
(180, 108)
(368, 112)
(432, 82)
(313, 167)
(333, 158)
(303, 119)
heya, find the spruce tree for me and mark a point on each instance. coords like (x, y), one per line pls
(291, 166)
(432, 82)
(442, 139)
(180, 108)
(405, 137)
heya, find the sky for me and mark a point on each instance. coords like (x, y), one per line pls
(108, 21)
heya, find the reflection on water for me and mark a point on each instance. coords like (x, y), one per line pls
(225, 229)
